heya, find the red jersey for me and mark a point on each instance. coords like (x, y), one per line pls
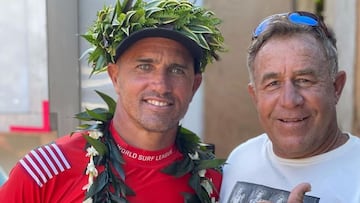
(56, 173)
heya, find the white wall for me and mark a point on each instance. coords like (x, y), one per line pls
(23, 62)
(341, 16)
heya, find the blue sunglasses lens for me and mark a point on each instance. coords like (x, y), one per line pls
(261, 27)
(296, 18)
(300, 18)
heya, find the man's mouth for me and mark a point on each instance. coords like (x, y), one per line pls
(292, 120)
(157, 103)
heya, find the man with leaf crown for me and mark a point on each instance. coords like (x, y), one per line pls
(135, 150)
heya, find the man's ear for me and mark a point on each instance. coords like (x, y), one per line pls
(197, 82)
(252, 92)
(113, 72)
(339, 84)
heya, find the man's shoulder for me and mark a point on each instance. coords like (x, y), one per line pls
(353, 142)
(250, 144)
(354, 137)
(48, 161)
(71, 140)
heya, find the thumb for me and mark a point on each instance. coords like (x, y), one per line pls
(297, 194)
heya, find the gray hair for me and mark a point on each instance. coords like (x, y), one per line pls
(279, 25)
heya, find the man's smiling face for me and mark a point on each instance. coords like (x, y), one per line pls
(155, 82)
(295, 95)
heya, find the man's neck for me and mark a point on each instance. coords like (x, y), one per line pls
(143, 139)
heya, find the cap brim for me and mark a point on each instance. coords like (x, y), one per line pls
(194, 49)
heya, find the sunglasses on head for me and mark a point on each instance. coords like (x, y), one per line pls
(298, 17)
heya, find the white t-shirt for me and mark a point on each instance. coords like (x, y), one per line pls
(334, 176)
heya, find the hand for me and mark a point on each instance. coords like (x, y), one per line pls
(297, 194)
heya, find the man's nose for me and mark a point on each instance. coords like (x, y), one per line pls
(291, 96)
(161, 82)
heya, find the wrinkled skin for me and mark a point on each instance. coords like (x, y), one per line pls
(296, 96)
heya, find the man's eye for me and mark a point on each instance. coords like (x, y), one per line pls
(144, 67)
(273, 83)
(177, 70)
(303, 82)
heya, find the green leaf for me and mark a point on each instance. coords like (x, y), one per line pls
(139, 16)
(117, 199)
(84, 116)
(194, 182)
(120, 188)
(116, 159)
(180, 167)
(118, 6)
(95, 54)
(100, 63)
(170, 3)
(121, 19)
(202, 42)
(98, 185)
(100, 115)
(152, 11)
(97, 144)
(109, 101)
(89, 38)
(112, 24)
(200, 29)
(129, 14)
(188, 137)
(126, 190)
(201, 193)
(190, 198)
(152, 4)
(84, 127)
(87, 52)
(126, 30)
(127, 5)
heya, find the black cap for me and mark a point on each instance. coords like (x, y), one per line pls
(194, 49)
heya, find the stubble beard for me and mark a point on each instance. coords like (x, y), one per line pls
(159, 123)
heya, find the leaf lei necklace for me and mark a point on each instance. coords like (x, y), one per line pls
(109, 185)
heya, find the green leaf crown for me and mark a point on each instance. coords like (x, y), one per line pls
(113, 25)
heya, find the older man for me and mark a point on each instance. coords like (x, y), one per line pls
(295, 85)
